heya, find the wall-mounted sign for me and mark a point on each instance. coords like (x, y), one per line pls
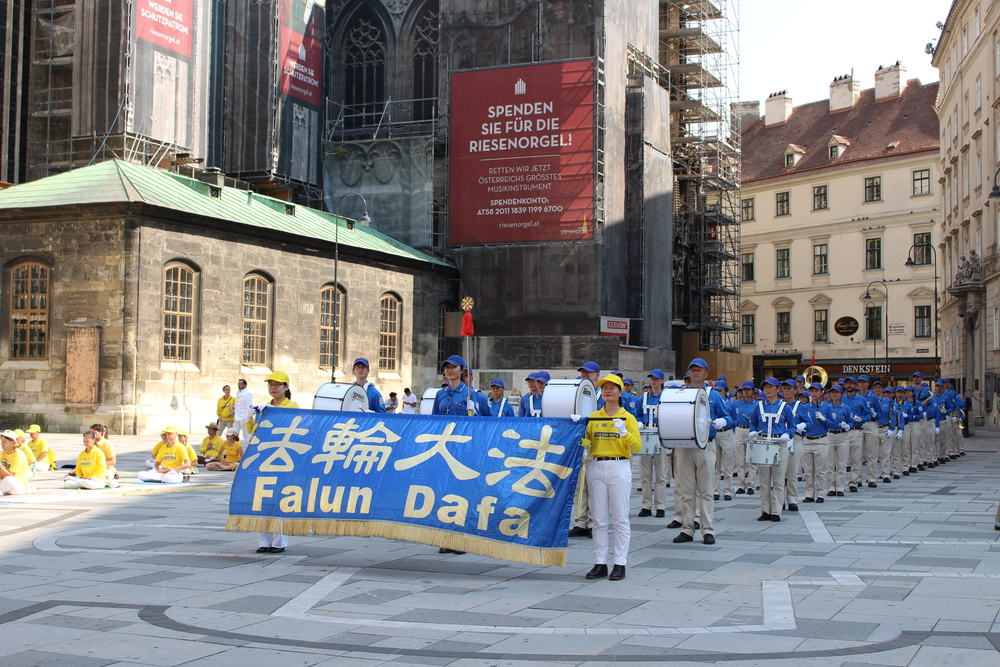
(846, 326)
(897, 329)
(923, 350)
(615, 326)
(867, 369)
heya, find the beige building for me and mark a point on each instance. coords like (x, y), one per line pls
(837, 194)
(968, 59)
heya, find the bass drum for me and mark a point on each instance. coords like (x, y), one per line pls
(683, 415)
(427, 400)
(563, 398)
(342, 397)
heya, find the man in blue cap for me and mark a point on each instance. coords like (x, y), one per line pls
(746, 474)
(695, 467)
(455, 398)
(856, 406)
(726, 437)
(817, 416)
(922, 433)
(839, 422)
(938, 407)
(499, 407)
(870, 447)
(654, 491)
(361, 369)
(530, 401)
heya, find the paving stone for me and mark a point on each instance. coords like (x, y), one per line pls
(149, 578)
(100, 569)
(680, 564)
(378, 596)
(253, 604)
(92, 624)
(597, 605)
(757, 558)
(46, 659)
(883, 593)
(949, 563)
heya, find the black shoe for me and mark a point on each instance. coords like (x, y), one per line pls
(445, 550)
(792, 507)
(674, 524)
(598, 572)
(800, 478)
(832, 493)
(697, 526)
(820, 500)
(617, 573)
(853, 489)
(961, 453)
(639, 489)
(749, 492)
(848, 468)
(807, 499)
(906, 473)
(764, 516)
(775, 518)
(727, 497)
(276, 550)
(645, 512)
(872, 485)
(576, 531)
(660, 514)
(840, 494)
(683, 537)
(715, 497)
(740, 491)
(895, 476)
(263, 550)
(710, 538)
(886, 480)
(921, 467)
(912, 469)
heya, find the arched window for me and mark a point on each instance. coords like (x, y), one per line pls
(425, 52)
(441, 323)
(388, 334)
(364, 69)
(29, 311)
(331, 326)
(256, 320)
(178, 313)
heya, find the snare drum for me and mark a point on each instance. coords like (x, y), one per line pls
(427, 400)
(683, 417)
(764, 452)
(650, 441)
(563, 398)
(341, 396)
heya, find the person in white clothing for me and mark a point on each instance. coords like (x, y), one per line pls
(242, 412)
(409, 402)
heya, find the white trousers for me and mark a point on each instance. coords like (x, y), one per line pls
(836, 461)
(70, 482)
(610, 485)
(855, 454)
(172, 477)
(884, 453)
(276, 540)
(814, 466)
(772, 484)
(792, 472)
(241, 427)
(724, 462)
(12, 486)
(746, 474)
(654, 493)
(694, 473)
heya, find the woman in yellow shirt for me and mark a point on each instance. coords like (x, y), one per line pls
(14, 467)
(103, 444)
(281, 397)
(91, 471)
(230, 453)
(172, 460)
(182, 436)
(45, 457)
(612, 436)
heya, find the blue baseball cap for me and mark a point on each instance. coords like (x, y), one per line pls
(453, 360)
(939, 383)
(863, 377)
(909, 387)
(532, 376)
(787, 383)
(542, 376)
(747, 385)
(721, 384)
(655, 373)
(771, 381)
(497, 383)
(590, 367)
(851, 379)
(816, 385)
(361, 360)
(621, 376)
(802, 393)
(687, 375)
(723, 378)
(800, 378)
(629, 381)
(878, 382)
(889, 390)
(917, 374)
(837, 388)
(699, 362)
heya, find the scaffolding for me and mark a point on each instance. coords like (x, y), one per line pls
(51, 104)
(699, 50)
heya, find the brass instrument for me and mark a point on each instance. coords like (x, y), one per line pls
(816, 372)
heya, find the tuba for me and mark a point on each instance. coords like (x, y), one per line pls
(817, 372)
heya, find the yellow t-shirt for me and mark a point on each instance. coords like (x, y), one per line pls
(225, 408)
(172, 456)
(604, 438)
(39, 447)
(16, 463)
(28, 454)
(232, 454)
(91, 464)
(285, 403)
(210, 446)
(157, 447)
(192, 455)
(105, 446)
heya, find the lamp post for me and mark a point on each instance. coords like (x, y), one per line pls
(885, 333)
(911, 264)
(336, 264)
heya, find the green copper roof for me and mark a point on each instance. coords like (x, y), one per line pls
(116, 181)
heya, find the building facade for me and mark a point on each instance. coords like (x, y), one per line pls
(967, 57)
(132, 295)
(837, 196)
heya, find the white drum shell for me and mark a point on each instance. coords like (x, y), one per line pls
(683, 416)
(341, 396)
(427, 400)
(650, 442)
(764, 452)
(563, 398)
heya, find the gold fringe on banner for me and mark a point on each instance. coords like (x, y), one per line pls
(435, 537)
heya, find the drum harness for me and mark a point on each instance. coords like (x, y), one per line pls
(770, 418)
(650, 411)
(531, 406)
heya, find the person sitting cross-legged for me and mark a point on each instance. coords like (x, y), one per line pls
(91, 471)
(229, 454)
(172, 461)
(14, 467)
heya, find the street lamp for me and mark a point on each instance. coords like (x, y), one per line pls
(364, 219)
(995, 192)
(885, 334)
(911, 264)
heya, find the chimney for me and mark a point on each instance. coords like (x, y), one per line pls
(746, 112)
(777, 108)
(890, 81)
(844, 93)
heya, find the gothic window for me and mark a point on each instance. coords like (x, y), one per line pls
(29, 311)
(364, 70)
(425, 52)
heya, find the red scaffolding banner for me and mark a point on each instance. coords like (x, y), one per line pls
(522, 154)
(166, 23)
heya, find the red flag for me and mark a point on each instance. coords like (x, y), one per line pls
(467, 328)
(812, 362)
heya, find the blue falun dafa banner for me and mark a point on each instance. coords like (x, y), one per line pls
(500, 487)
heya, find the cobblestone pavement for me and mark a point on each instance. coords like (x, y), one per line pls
(905, 574)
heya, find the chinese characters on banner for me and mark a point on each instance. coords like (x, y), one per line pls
(522, 154)
(497, 487)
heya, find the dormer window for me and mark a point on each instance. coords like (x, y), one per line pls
(834, 152)
(792, 154)
(837, 145)
(790, 160)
